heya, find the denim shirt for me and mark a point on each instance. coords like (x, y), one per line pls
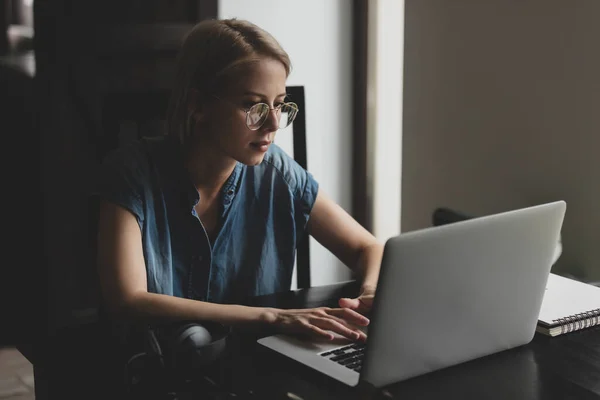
(263, 214)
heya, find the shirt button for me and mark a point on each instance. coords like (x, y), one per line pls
(230, 192)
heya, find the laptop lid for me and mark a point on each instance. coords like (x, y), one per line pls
(457, 292)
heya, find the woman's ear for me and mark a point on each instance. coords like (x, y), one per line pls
(194, 105)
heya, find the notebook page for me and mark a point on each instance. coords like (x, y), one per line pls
(564, 297)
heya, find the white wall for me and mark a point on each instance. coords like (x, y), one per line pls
(317, 36)
(384, 114)
(502, 110)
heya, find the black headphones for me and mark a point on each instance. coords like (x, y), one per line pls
(191, 346)
(177, 351)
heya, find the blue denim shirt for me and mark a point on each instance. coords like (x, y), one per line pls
(263, 214)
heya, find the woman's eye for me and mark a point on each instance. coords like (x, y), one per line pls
(249, 104)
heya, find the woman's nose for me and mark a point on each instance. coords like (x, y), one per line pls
(272, 122)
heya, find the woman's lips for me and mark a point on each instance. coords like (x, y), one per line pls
(262, 146)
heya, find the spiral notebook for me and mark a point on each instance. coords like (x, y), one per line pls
(568, 306)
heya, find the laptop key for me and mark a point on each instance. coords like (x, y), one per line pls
(354, 365)
(341, 357)
(347, 361)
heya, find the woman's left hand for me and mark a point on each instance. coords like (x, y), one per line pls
(361, 304)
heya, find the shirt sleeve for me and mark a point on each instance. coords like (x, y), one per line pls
(308, 195)
(120, 180)
(304, 187)
(301, 183)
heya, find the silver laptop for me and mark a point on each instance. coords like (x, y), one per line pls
(446, 295)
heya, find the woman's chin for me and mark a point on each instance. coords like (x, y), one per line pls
(257, 161)
(252, 160)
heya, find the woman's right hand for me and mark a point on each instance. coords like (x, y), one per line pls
(320, 322)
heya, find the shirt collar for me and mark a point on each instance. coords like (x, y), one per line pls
(183, 184)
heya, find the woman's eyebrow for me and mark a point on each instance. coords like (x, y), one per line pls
(251, 93)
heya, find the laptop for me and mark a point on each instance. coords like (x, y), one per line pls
(446, 295)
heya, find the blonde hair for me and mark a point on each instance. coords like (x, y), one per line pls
(210, 54)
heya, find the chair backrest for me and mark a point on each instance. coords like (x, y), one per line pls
(297, 95)
(128, 116)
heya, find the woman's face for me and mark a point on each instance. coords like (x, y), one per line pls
(223, 126)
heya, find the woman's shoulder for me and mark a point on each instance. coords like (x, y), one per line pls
(128, 171)
(276, 155)
(280, 162)
(137, 153)
(278, 159)
(137, 162)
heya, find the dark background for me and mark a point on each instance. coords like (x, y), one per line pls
(78, 78)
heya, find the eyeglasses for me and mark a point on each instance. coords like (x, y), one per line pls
(257, 115)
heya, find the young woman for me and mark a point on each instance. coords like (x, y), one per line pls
(194, 222)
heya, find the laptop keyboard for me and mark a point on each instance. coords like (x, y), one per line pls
(350, 356)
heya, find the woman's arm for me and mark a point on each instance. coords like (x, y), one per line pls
(335, 229)
(123, 284)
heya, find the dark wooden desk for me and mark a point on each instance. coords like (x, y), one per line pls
(563, 367)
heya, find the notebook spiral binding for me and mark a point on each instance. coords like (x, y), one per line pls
(579, 321)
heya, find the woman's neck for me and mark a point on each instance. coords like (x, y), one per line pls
(208, 168)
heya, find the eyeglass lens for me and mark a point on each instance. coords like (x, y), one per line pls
(258, 114)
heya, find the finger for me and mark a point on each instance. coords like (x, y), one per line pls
(342, 321)
(335, 326)
(317, 332)
(363, 337)
(365, 301)
(365, 307)
(358, 333)
(361, 305)
(349, 303)
(350, 316)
